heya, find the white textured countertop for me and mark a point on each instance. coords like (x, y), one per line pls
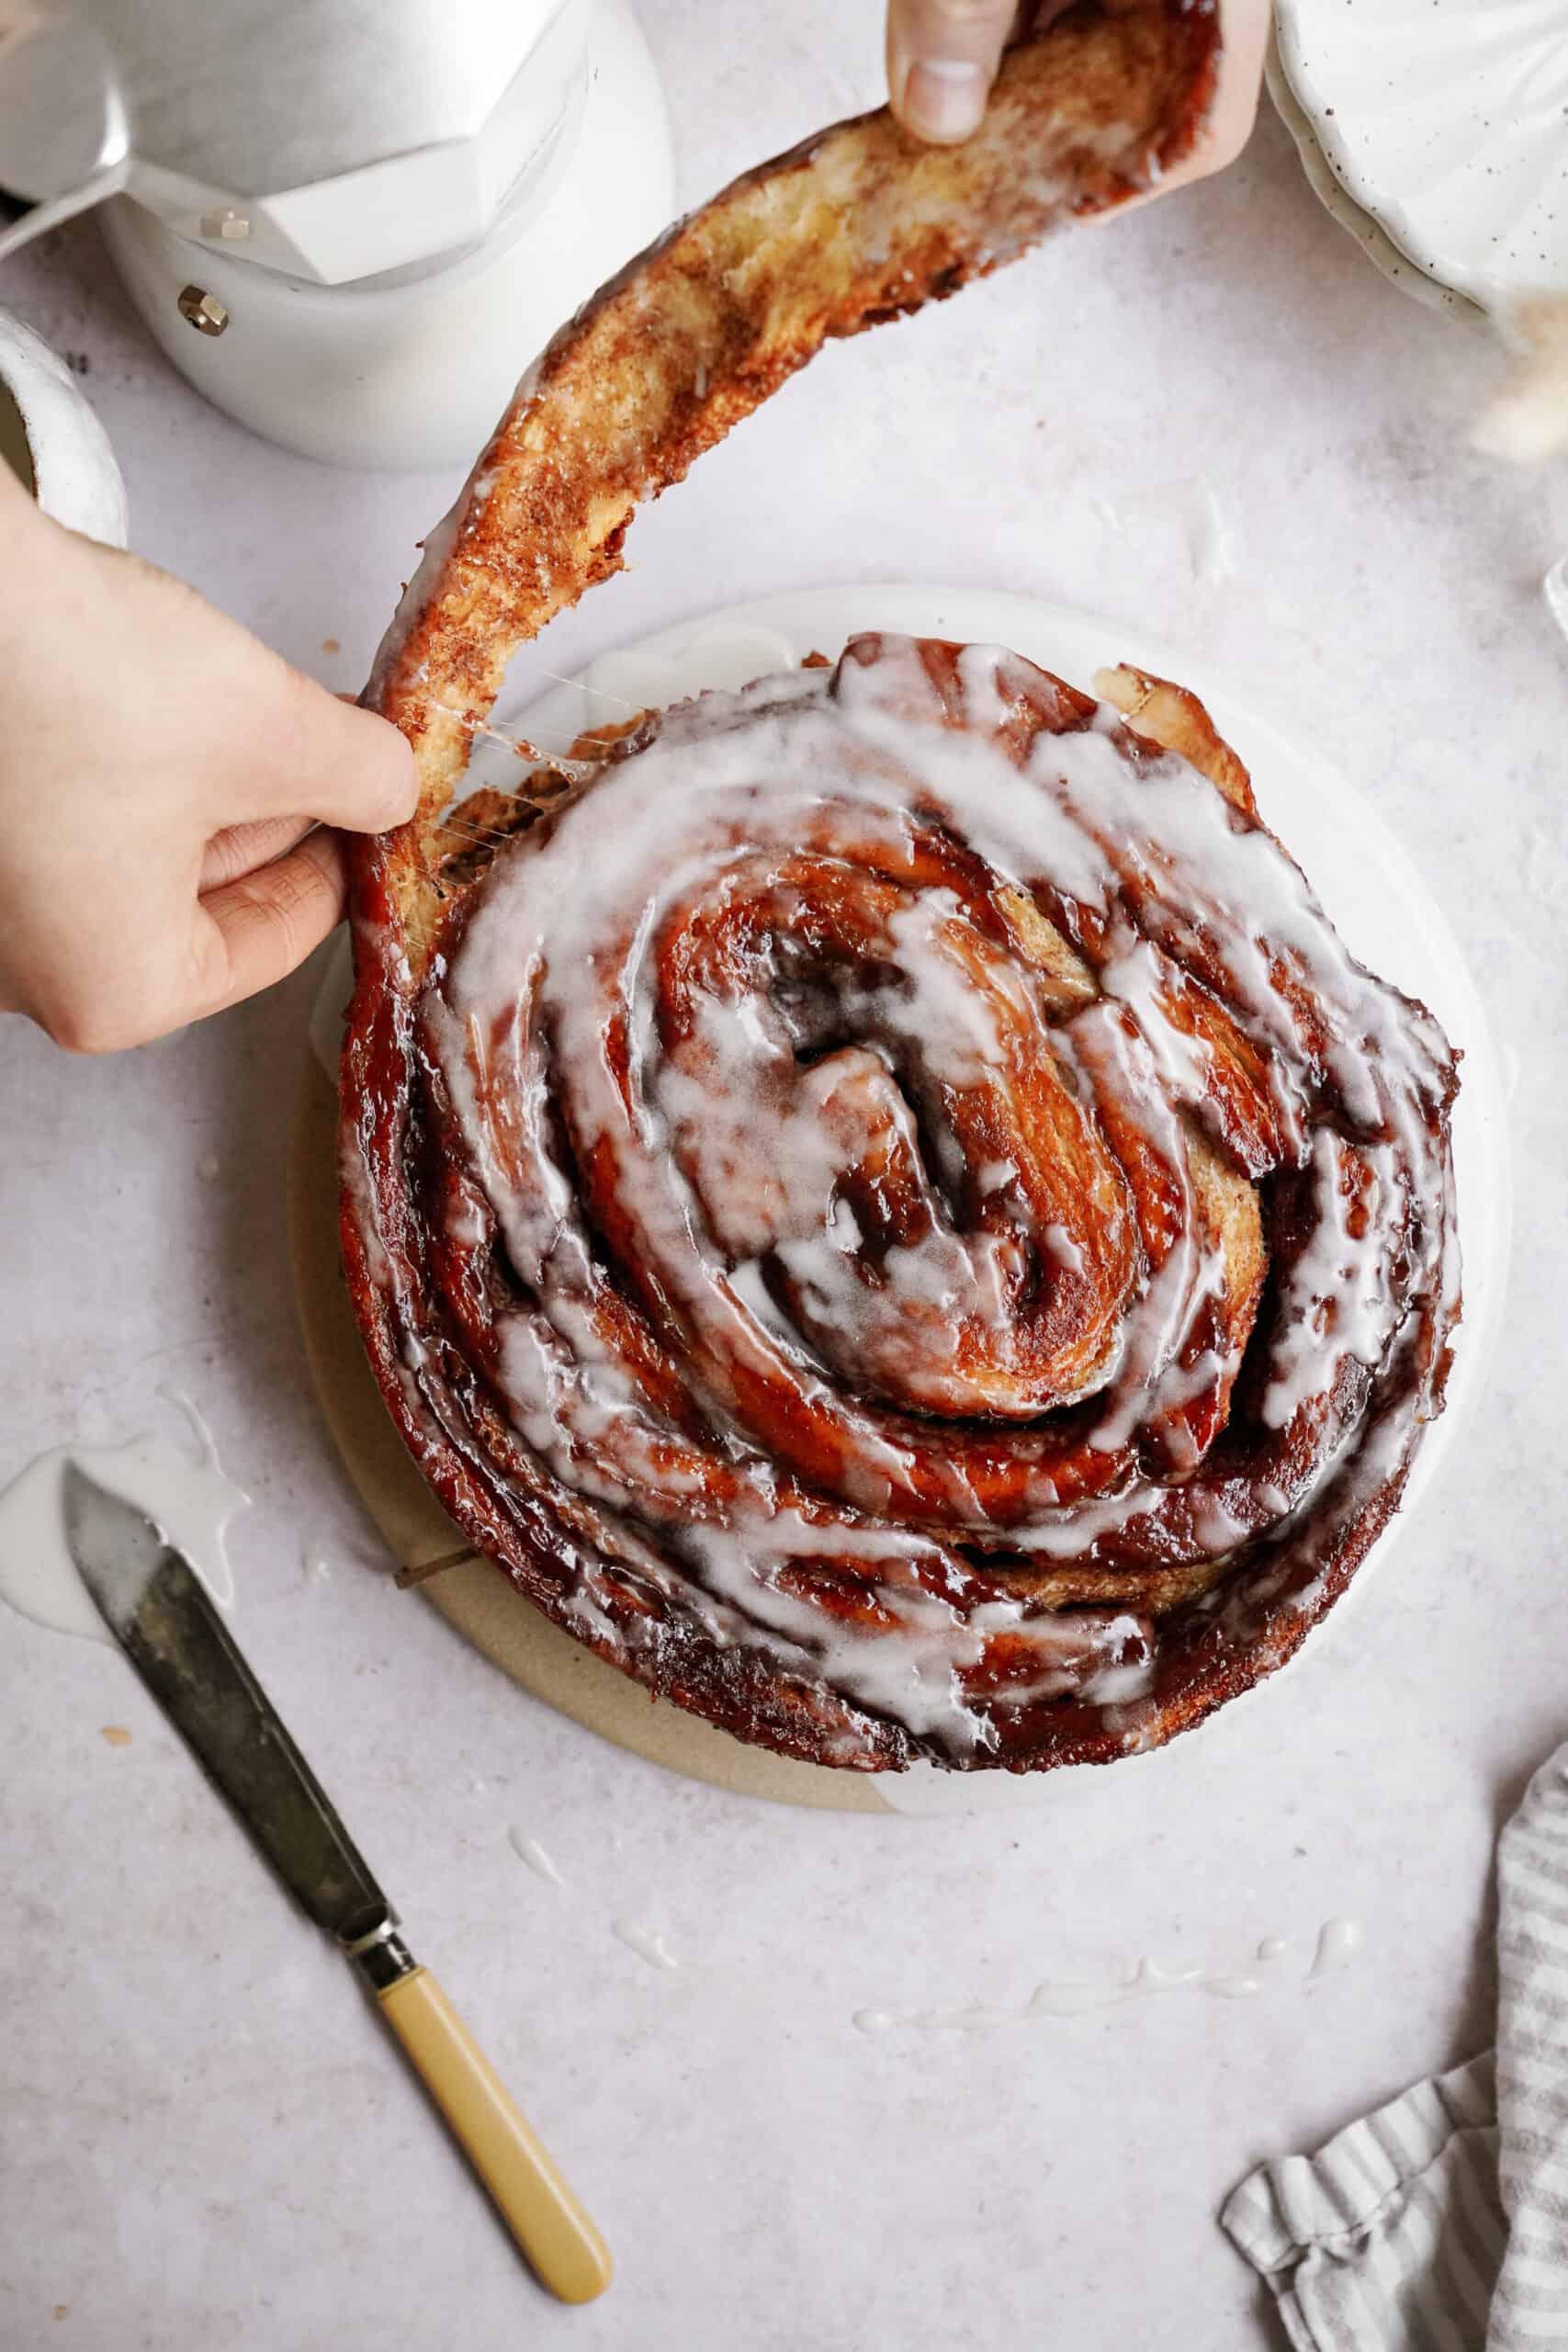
(204, 2140)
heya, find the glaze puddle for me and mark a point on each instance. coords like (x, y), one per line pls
(1338, 1941)
(529, 1852)
(191, 1501)
(1191, 508)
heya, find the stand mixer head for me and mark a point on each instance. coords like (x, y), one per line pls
(350, 226)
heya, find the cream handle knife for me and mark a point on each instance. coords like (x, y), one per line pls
(159, 1611)
(563, 2246)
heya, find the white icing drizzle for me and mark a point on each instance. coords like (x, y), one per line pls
(854, 1170)
(529, 1852)
(1192, 508)
(1339, 1942)
(1338, 1298)
(1088, 1996)
(647, 1942)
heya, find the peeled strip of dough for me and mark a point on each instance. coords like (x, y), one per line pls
(859, 224)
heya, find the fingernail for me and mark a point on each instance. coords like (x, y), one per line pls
(945, 98)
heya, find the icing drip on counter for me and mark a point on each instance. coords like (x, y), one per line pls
(647, 1942)
(192, 1501)
(924, 1194)
(1338, 1942)
(529, 1852)
(1076, 1997)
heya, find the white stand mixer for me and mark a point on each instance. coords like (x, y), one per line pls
(350, 228)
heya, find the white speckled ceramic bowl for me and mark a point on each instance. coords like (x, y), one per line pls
(50, 435)
(1436, 131)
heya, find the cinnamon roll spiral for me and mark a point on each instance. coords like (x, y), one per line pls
(925, 1239)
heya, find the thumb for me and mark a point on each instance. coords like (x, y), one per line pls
(322, 757)
(942, 59)
(253, 931)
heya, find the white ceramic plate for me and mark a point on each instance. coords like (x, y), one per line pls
(1445, 124)
(1374, 241)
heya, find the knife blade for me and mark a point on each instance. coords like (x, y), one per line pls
(171, 1630)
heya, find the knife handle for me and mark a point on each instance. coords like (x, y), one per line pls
(560, 2243)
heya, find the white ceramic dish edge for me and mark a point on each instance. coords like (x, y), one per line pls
(1443, 120)
(1373, 238)
(75, 477)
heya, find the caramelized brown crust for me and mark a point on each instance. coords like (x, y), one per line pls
(858, 225)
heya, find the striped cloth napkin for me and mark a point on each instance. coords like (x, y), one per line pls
(1440, 2223)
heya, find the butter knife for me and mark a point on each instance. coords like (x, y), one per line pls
(164, 1619)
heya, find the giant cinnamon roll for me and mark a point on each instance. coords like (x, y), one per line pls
(882, 1202)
